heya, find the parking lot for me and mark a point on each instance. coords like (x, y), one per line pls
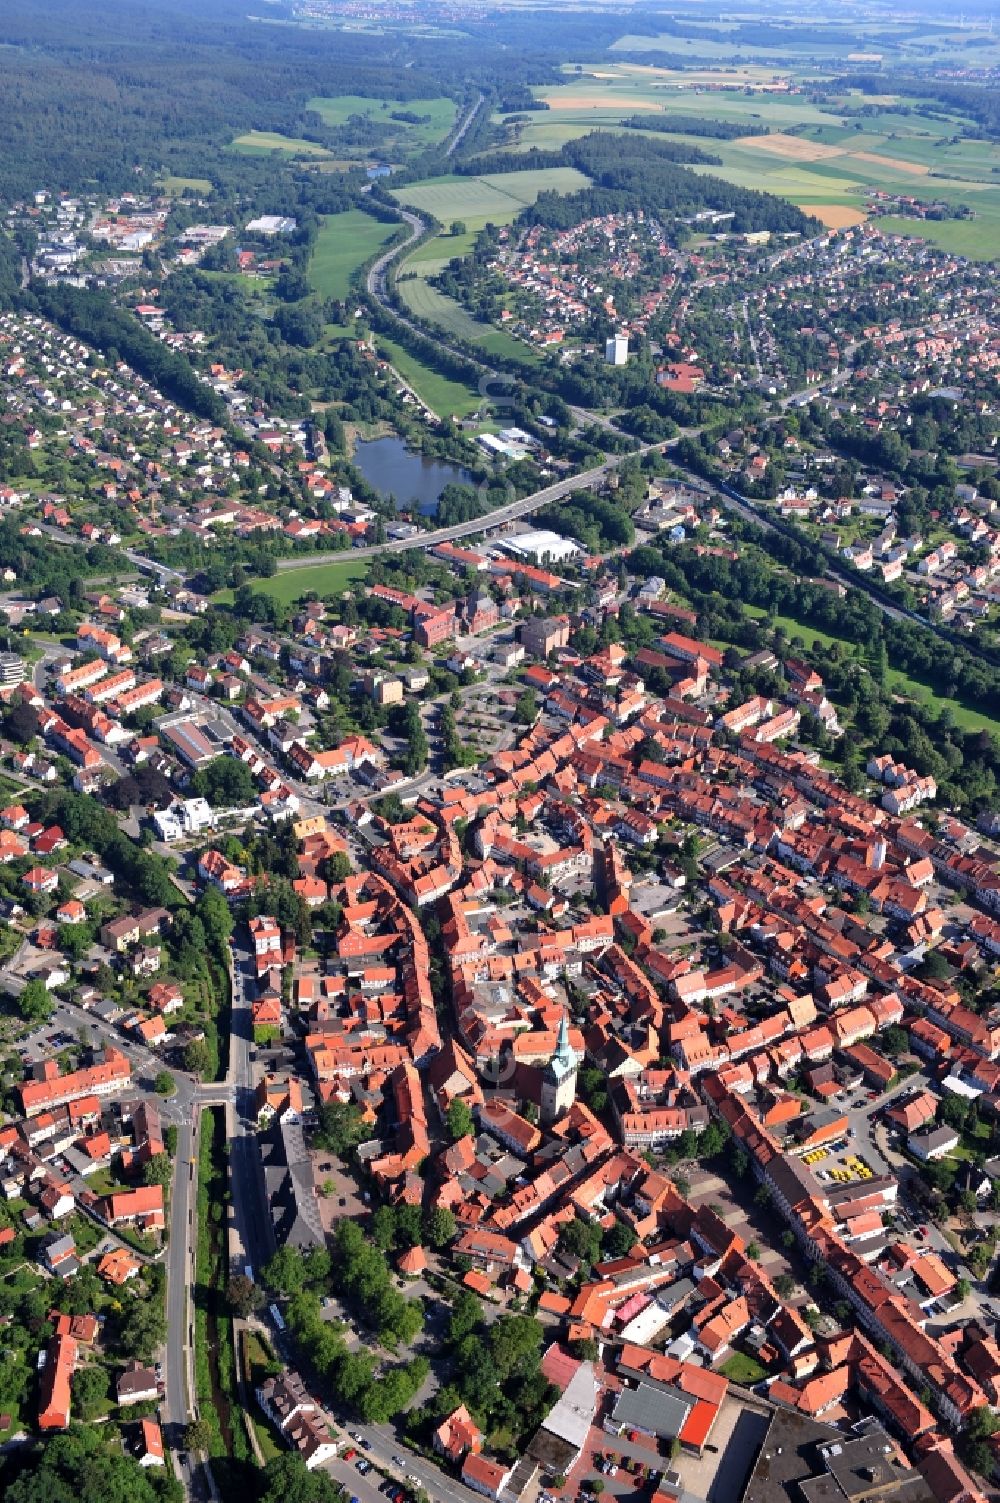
(839, 1164)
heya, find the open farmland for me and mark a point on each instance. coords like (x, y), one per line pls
(495, 199)
(823, 157)
(344, 243)
(829, 42)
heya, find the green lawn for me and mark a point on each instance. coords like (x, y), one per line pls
(290, 584)
(178, 184)
(474, 202)
(431, 306)
(445, 397)
(979, 238)
(740, 1368)
(345, 242)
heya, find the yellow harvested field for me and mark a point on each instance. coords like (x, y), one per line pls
(569, 99)
(727, 78)
(836, 216)
(918, 169)
(792, 148)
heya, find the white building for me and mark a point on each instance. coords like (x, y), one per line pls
(271, 224)
(185, 818)
(542, 546)
(616, 350)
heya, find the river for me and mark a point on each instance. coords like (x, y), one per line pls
(392, 469)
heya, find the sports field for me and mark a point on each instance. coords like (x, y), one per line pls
(344, 242)
(260, 143)
(290, 584)
(440, 111)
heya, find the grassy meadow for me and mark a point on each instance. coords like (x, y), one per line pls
(290, 584)
(441, 114)
(345, 242)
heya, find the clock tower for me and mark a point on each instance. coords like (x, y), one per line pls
(559, 1077)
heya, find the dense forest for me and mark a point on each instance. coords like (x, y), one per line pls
(98, 92)
(639, 173)
(694, 125)
(979, 102)
(93, 317)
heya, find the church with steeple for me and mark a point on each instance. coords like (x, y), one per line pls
(559, 1077)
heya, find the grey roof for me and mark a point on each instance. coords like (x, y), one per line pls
(933, 1137)
(659, 1411)
(864, 1465)
(809, 1462)
(788, 1458)
(291, 1190)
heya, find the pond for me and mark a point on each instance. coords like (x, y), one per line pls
(392, 469)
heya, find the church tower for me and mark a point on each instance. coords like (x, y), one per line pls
(559, 1077)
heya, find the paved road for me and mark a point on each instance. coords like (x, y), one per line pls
(138, 560)
(177, 1407)
(459, 135)
(415, 1471)
(489, 523)
(251, 1233)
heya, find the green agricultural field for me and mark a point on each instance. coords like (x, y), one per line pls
(441, 112)
(815, 157)
(345, 242)
(260, 143)
(445, 397)
(496, 199)
(290, 584)
(898, 41)
(475, 202)
(978, 238)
